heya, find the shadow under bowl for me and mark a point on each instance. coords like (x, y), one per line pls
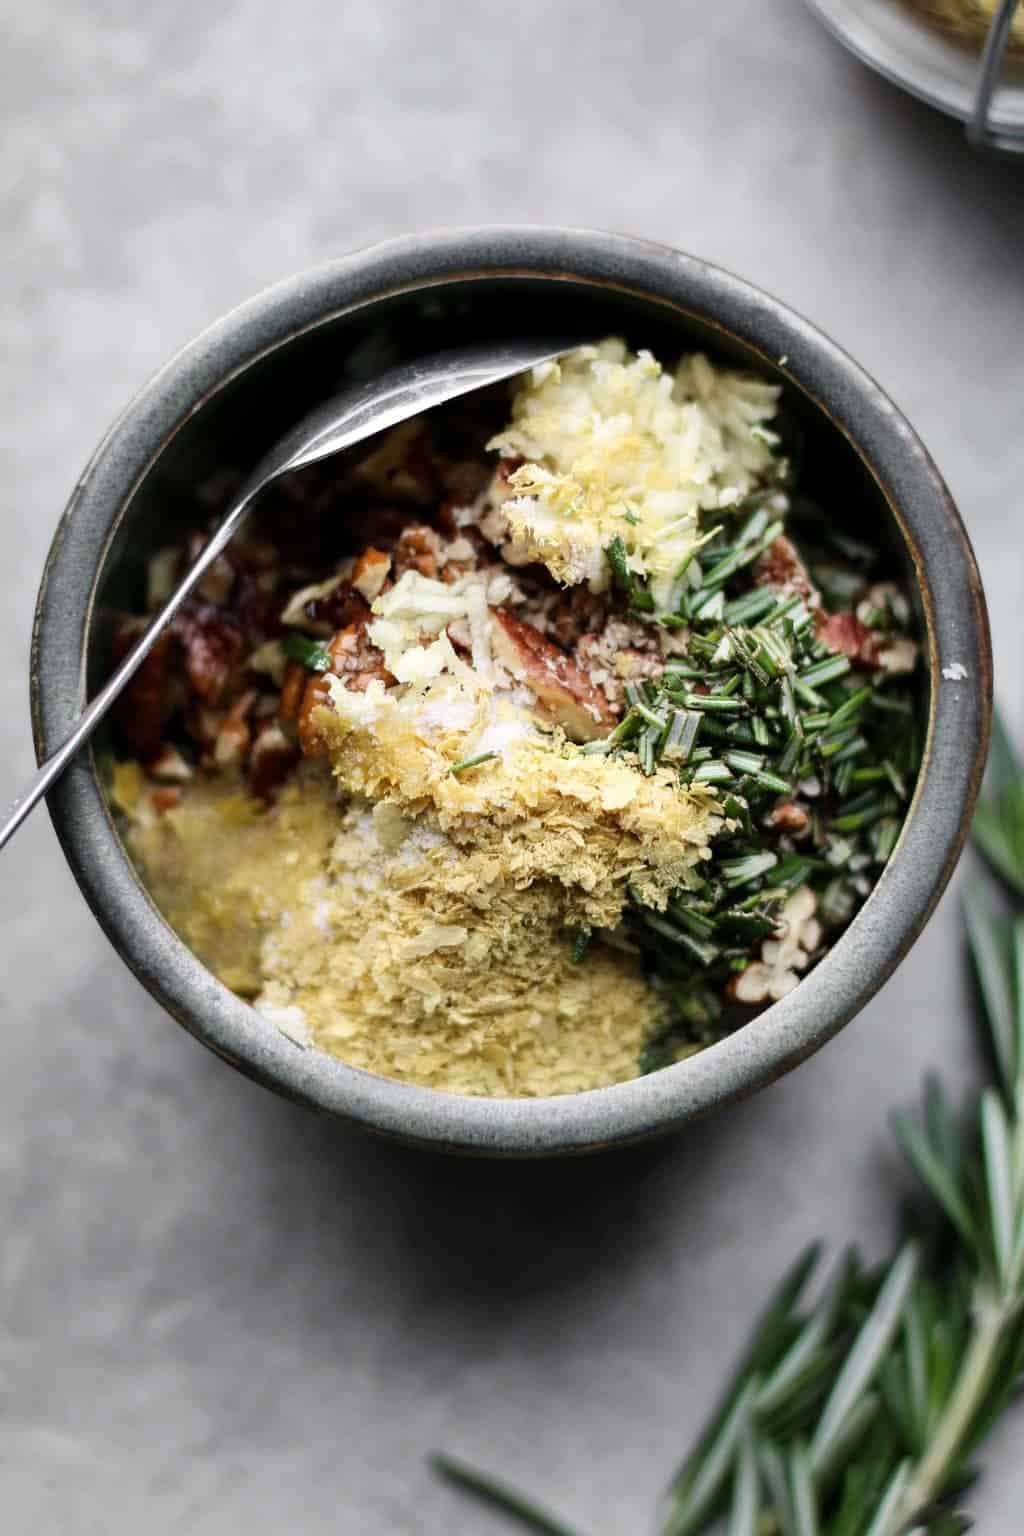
(250, 377)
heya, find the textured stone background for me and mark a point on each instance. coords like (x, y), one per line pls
(219, 1314)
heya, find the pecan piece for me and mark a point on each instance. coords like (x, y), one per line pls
(337, 609)
(234, 736)
(169, 767)
(780, 566)
(355, 658)
(292, 689)
(776, 973)
(370, 572)
(165, 799)
(847, 636)
(272, 759)
(213, 645)
(417, 549)
(564, 690)
(139, 713)
(789, 817)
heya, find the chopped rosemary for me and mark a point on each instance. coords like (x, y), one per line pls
(472, 762)
(309, 653)
(622, 576)
(749, 867)
(580, 944)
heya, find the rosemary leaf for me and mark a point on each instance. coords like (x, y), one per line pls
(988, 944)
(771, 1336)
(696, 1501)
(847, 1440)
(801, 1492)
(472, 762)
(308, 653)
(790, 1368)
(998, 842)
(883, 1523)
(930, 1166)
(745, 1514)
(622, 576)
(1001, 1179)
(868, 1350)
(500, 1496)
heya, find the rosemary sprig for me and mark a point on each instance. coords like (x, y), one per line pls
(858, 1413)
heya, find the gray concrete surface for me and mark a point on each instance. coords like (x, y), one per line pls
(219, 1314)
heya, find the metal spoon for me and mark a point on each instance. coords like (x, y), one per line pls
(347, 418)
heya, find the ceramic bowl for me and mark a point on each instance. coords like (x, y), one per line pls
(249, 377)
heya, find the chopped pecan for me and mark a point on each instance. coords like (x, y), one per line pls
(462, 550)
(847, 636)
(169, 766)
(565, 691)
(355, 658)
(884, 606)
(776, 973)
(165, 799)
(506, 468)
(234, 736)
(213, 645)
(780, 566)
(789, 817)
(292, 689)
(316, 693)
(618, 653)
(370, 572)
(898, 655)
(338, 608)
(140, 712)
(272, 759)
(203, 723)
(576, 614)
(417, 549)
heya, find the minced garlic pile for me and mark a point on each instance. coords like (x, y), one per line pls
(616, 447)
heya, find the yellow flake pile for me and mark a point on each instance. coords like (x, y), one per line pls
(423, 962)
(541, 810)
(614, 446)
(222, 870)
(383, 942)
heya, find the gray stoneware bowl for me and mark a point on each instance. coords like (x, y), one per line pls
(244, 381)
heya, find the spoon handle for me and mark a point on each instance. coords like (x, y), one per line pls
(49, 772)
(345, 419)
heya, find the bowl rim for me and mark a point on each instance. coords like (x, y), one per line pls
(883, 930)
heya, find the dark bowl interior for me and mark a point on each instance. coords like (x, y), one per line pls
(244, 383)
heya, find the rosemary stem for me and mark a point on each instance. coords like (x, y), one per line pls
(992, 1315)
